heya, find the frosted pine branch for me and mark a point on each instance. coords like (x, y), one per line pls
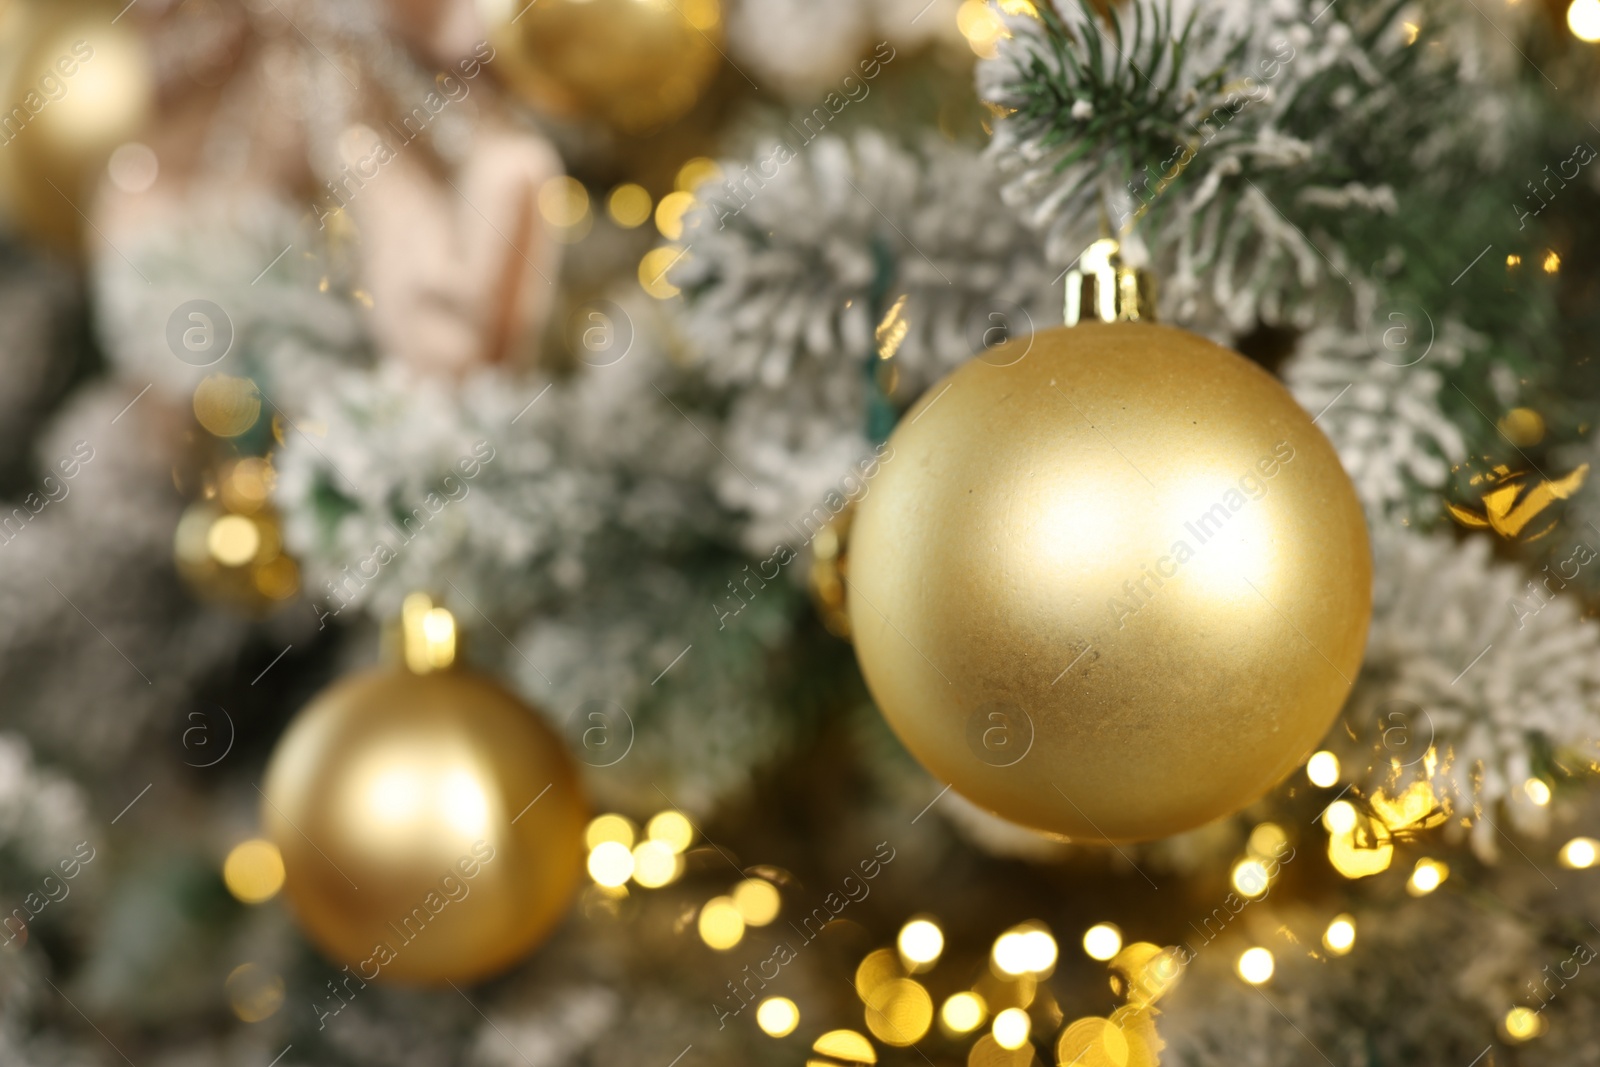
(1233, 144)
(794, 260)
(1497, 673)
(1374, 391)
(503, 495)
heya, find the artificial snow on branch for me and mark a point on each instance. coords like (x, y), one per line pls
(91, 539)
(1374, 390)
(498, 494)
(812, 261)
(276, 305)
(1232, 144)
(1479, 676)
(665, 679)
(570, 525)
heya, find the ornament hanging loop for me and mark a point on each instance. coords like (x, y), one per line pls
(426, 637)
(1104, 287)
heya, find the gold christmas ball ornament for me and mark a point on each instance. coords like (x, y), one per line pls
(1113, 589)
(431, 825)
(75, 85)
(634, 64)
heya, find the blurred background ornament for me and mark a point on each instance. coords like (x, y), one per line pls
(634, 64)
(457, 270)
(74, 84)
(407, 188)
(1517, 505)
(431, 825)
(829, 573)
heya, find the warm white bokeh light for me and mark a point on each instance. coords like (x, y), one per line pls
(1340, 935)
(655, 864)
(253, 871)
(611, 864)
(1323, 769)
(1340, 818)
(757, 900)
(1580, 853)
(921, 942)
(1250, 878)
(233, 540)
(1102, 941)
(1427, 876)
(721, 925)
(1011, 1028)
(1024, 951)
(672, 829)
(963, 1013)
(109, 97)
(1523, 1024)
(608, 828)
(777, 1016)
(1583, 19)
(1538, 791)
(1256, 965)
(133, 167)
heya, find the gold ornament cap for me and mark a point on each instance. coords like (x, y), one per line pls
(424, 638)
(1105, 287)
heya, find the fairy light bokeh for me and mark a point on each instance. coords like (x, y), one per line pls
(1011, 1028)
(1256, 965)
(720, 924)
(1102, 941)
(777, 1016)
(920, 943)
(1583, 19)
(610, 864)
(1340, 936)
(1426, 876)
(1579, 854)
(253, 871)
(1323, 769)
(962, 1013)
(757, 901)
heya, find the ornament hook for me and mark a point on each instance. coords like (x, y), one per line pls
(1104, 286)
(427, 635)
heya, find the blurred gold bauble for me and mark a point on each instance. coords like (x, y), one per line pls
(1113, 589)
(830, 570)
(73, 86)
(635, 64)
(431, 825)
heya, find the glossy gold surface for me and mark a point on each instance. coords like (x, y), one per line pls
(1089, 590)
(401, 804)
